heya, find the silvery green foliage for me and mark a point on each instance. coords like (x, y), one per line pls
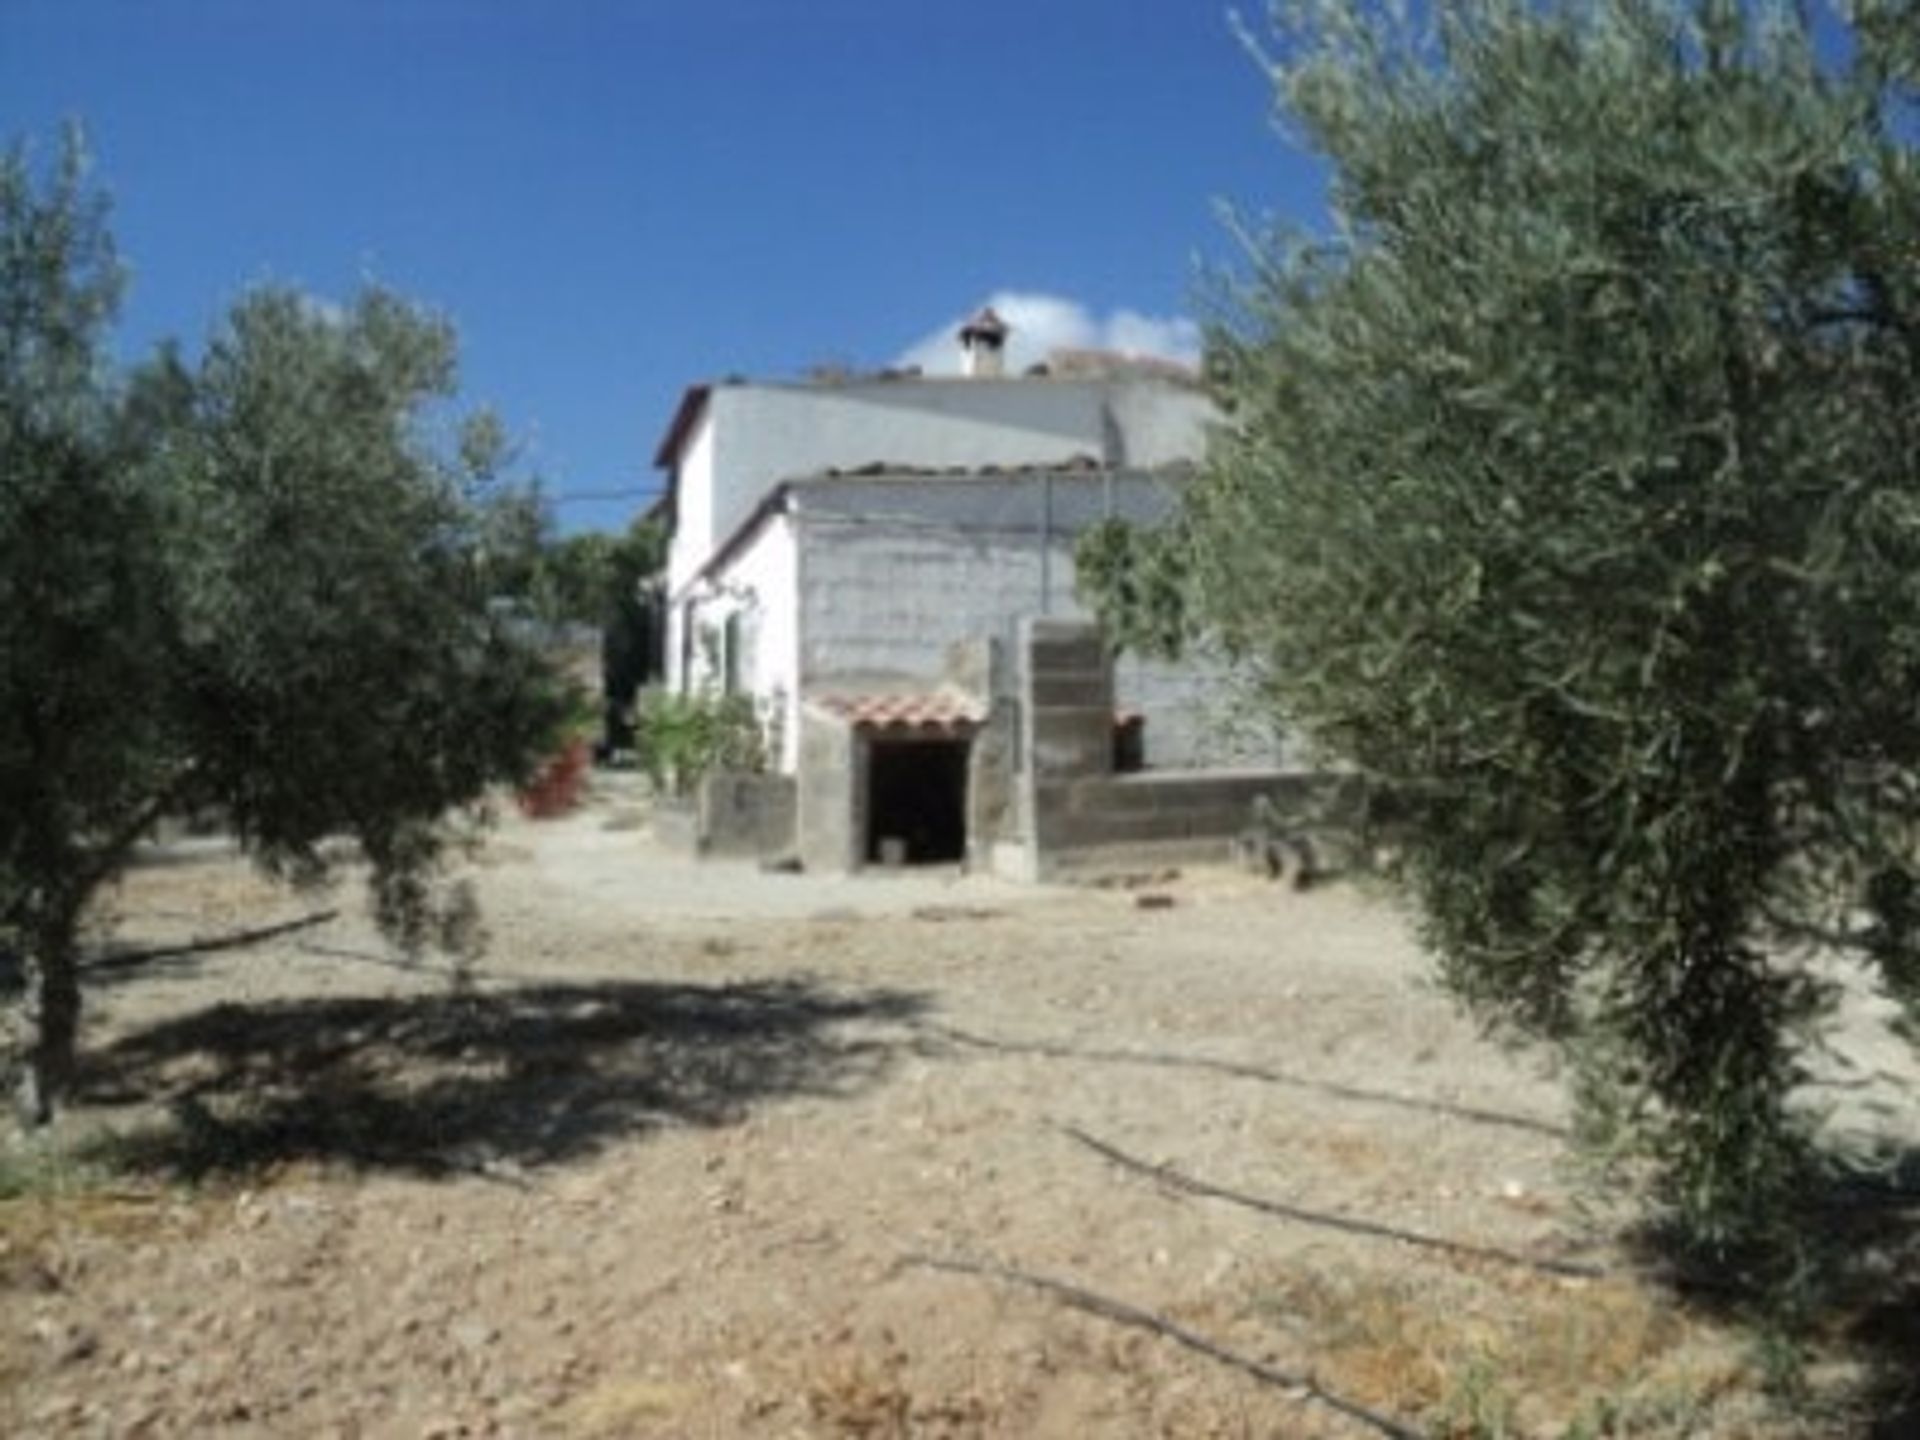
(1572, 494)
(252, 585)
(340, 668)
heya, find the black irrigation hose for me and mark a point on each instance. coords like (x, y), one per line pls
(1350, 1224)
(1164, 1060)
(1121, 1313)
(234, 940)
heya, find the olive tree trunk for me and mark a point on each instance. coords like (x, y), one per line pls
(49, 1021)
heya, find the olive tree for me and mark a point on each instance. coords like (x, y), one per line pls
(253, 584)
(1570, 493)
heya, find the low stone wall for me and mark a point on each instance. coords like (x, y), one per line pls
(675, 823)
(747, 815)
(1104, 822)
(731, 816)
(1077, 813)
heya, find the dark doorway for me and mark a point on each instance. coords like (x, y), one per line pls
(917, 802)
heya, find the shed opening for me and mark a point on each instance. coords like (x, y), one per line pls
(917, 802)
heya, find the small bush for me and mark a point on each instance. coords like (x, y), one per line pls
(684, 737)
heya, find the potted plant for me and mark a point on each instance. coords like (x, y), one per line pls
(556, 786)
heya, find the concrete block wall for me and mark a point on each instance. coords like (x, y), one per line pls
(1042, 798)
(882, 601)
(978, 669)
(1193, 713)
(1160, 817)
(830, 802)
(747, 815)
(1066, 700)
(729, 817)
(1077, 813)
(675, 824)
(882, 595)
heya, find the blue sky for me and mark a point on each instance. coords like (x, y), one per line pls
(613, 200)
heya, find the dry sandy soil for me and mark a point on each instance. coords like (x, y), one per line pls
(690, 1155)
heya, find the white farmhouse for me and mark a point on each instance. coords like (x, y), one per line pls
(868, 558)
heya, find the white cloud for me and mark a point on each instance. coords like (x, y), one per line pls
(1041, 324)
(1170, 337)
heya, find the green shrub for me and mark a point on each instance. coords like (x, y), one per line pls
(681, 738)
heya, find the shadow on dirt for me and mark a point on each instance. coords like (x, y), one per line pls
(1845, 1287)
(1888, 1334)
(1866, 1300)
(488, 1083)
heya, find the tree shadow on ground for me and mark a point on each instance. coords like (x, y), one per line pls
(1866, 1297)
(1887, 1333)
(491, 1083)
(1855, 1295)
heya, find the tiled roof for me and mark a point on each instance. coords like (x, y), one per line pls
(1075, 364)
(929, 715)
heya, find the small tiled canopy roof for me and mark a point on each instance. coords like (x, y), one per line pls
(924, 716)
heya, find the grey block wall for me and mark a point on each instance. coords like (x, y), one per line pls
(882, 601)
(1194, 719)
(831, 795)
(747, 815)
(897, 569)
(675, 823)
(1078, 814)
(729, 817)
(1042, 798)
(1169, 816)
(1066, 701)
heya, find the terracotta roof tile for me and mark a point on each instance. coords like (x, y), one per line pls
(918, 714)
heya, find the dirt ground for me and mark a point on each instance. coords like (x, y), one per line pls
(707, 1152)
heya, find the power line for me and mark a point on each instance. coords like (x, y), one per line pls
(570, 496)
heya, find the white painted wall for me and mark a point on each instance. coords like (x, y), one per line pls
(1158, 424)
(751, 437)
(691, 543)
(760, 586)
(770, 433)
(693, 525)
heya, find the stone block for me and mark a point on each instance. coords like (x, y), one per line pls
(1063, 646)
(828, 822)
(1067, 657)
(1070, 742)
(1051, 690)
(1106, 794)
(747, 815)
(676, 827)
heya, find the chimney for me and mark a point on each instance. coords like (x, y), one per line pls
(983, 339)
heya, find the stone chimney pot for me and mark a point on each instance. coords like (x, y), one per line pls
(983, 340)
